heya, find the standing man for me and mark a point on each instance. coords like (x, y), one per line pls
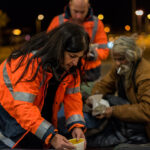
(80, 12)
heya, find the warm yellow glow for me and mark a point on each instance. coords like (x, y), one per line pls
(139, 12)
(100, 16)
(16, 32)
(148, 16)
(107, 29)
(111, 38)
(127, 28)
(40, 17)
(1, 12)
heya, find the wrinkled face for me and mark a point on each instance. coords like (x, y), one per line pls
(78, 10)
(121, 63)
(71, 59)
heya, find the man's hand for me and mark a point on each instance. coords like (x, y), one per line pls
(107, 113)
(78, 133)
(59, 142)
(92, 54)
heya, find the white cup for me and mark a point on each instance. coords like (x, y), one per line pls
(78, 144)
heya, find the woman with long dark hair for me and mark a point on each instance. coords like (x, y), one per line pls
(34, 81)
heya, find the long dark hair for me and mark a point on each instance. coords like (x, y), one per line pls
(50, 47)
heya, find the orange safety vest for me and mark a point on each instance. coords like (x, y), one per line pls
(21, 104)
(95, 29)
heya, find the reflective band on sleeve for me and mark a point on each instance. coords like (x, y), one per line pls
(75, 118)
(34, 52)
(7, 80)
(27, 97)
(6, 141)
(61, 19)
(95, 19)
(96, 55)
(72, 90)
(102, 46)
(45, 125)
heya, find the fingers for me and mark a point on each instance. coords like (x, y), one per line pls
(59, 142)
(77, 133)
(85, 143)
(66, 141)
(68, 146)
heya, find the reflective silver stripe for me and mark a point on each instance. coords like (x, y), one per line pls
(96, 55)
(102, 46)
(72, 90)
(27, 97)
(61, 19)
(95, 19)
(34, 52)
(6, 140)
(45, 125)
(75, 118)
(7, 80)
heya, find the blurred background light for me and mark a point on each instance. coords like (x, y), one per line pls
(127, 28)
(148, 16)
(40, 17)
(100, 16)
(27, 37)
(16, 31)
(139, 12)
(107, 29)
(110, 45)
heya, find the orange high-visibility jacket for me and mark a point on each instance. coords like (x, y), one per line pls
(95, 29)
(21, 104)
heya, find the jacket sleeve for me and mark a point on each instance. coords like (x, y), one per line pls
(136, 112)
(26, 108)
(73, 106)
(54, 23)
(101, 40)
(106, 85)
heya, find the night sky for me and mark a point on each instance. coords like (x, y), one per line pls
(117, 13)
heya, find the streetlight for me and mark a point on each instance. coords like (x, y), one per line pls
(139, 14)
(39, 18)
(147, 23)
(127, 27)
(100, 16)
(107, 29)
